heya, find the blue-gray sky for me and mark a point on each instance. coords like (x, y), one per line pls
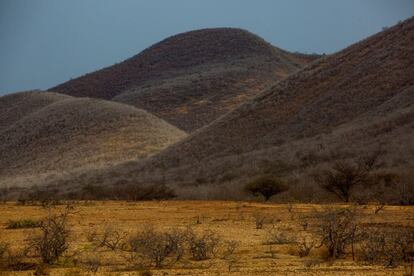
(46, 42)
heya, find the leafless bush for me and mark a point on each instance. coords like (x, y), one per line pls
(230, 248)
(156, 246)
(387, 245)
(337, 230)
(4, 247)
(303, 222)
(111, 238)
(259, 220)
(305, 245)
(277, 236)
(91, 263)
(379, 207)
(53, 242)
(202, 246)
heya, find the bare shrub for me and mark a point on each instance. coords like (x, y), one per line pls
(389, 246)
(156, 246)
(4, 247)
(277, 236)
(303, 222)
(305, 245)
(53, 242)
(259, 220)
(337, 230)
(230, 248)
(379, 207)
(202, 246)
(111, 238)
(91, 263)
(265, 186)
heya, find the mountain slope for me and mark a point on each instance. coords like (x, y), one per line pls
(342, 107)
(15, 106)
(60, 133)
(192, 78)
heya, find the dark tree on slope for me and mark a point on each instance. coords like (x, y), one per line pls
(265, 186)
(341, 179)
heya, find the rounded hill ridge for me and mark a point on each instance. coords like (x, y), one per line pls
(191, 79)
(71, 133)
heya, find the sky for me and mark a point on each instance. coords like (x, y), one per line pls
(46, 42)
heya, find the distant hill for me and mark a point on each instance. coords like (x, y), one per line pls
(352, 104)
(193, 78)
(44, 132)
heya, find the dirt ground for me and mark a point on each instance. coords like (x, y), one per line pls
(254, 254)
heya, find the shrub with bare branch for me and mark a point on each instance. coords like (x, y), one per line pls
(337, 230)
(53, 241)
(305, 245)
(4, 247)
(341, 179)
(202, 246)
(156, 246)
(259, 220)
(389, 246)
(111, 238)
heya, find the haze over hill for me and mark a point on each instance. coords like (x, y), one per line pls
(44, 132)
(351, 104)
(192, 78)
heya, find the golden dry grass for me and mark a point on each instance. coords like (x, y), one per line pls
(231, 220)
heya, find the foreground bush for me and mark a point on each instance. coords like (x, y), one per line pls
(52, 243)
(202, 246)
(389, 246)
(156, 247)
(337, 230)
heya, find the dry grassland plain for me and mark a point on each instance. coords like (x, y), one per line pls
(272, 250)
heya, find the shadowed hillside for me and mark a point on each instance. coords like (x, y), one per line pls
(353, 104)
(47, 132)
(193, 78)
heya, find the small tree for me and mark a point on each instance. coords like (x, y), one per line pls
(265, 186)
(341, 179)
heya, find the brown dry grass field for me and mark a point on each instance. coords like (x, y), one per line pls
(254, 255)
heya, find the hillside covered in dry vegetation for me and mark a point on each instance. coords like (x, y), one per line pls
(43, 132)
(351, 106)
(192, 78)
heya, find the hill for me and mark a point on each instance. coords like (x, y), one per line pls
(193, 78)
(356, 103)
(45, 133)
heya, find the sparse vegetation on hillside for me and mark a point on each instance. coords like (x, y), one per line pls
(70, 133)
(193, 78)
(328, 112)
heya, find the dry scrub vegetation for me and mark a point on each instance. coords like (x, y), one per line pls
(207, 238)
